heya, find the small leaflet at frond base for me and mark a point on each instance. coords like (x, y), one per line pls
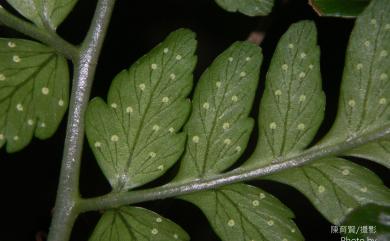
(219, 127)
(44, 12)
(136, 224)
(135, 135)
(247, 7)
(241, 212)
(34, 90)
(365, 90)
(292, 106)
(336, 186)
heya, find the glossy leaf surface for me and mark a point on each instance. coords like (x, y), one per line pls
(339, 8)
(247, 7)
(292, 106)
(241, 212)
(44, 12)
(219, 127)
(365, 91)
(34, 86)
(336, 186)
(374, 219)
(135, 135)
(136, 224)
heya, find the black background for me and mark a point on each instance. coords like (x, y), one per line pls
(29, 178)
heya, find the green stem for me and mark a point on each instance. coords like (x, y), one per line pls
(113, 200)
(44, 35)
(66, 207)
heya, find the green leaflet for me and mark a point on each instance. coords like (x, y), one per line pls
(134, 137)
(44, 12)
(378, 151)
(339, 8)
(375, 217)
(247, 7)
(292, 106)
(136, 224)
(34, 83)
(241, 212)
(365, 90)
(336, 186)
(219, 127)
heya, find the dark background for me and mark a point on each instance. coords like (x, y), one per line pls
(28, 179)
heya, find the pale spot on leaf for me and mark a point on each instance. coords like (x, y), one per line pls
(43, 125)
(359, 66)
(321, 189)
(238, 148)
(302, 55)
(363, 189)
(234, 98)
(178, 57)
(248, 58)
(129, 109)
(301, 126)
(16, 138)
(272, 125)
(175, 236)
(2, 77)
(302, 75)
(30, 122)
(285, 67)
(227, 141)
(171, 129)
(382, 101)
(114, 138)
(243, 74)
(165, 99)
(1, 136)
(230, 59)
(19, 107)
(161, 167)
(195, 139)
(152, 154)
(206, 105)
(172, 76)
(270, 222)
(16, 59)
(291, 46)
(262, 195)
(166, 50)
(153, 66)
(156, 128)
(45, 91)
(61, 103)
(383, 53)
(302, 98)
(255, 203)
(383, 76)
(159, 220)
(218, 84)
(154, 231)
(231, 223)
(373, 21)
(142, 86)
(278, 92)
(226, 125)
(351, 103)
(114, 105)
(11, 44)
(98, 144)
(345, 172)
